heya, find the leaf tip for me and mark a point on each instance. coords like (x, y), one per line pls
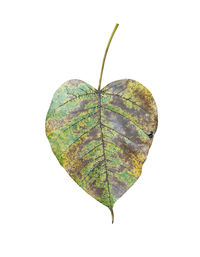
(112, 214)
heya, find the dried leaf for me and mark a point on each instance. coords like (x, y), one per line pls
(102, 137)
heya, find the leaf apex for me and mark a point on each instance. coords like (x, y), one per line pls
(112, 214)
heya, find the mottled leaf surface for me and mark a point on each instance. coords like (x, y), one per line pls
(102, 138)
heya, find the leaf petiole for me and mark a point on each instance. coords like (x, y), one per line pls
(104, 58)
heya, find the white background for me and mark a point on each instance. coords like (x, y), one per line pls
(43, 212)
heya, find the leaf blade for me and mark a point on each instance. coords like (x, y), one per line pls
(102, 138)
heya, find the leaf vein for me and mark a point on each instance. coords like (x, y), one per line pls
(90, 114)
(80, 137)
(127, 99)
(102, 139)
(74, 99)
(128, 120)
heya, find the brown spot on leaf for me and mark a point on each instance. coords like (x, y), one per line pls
(118, 188)
(97, 191)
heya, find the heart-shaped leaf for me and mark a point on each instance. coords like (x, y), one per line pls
(102, 137)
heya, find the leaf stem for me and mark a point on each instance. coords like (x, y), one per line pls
(104, 58)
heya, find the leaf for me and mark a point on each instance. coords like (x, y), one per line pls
(102, 138)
